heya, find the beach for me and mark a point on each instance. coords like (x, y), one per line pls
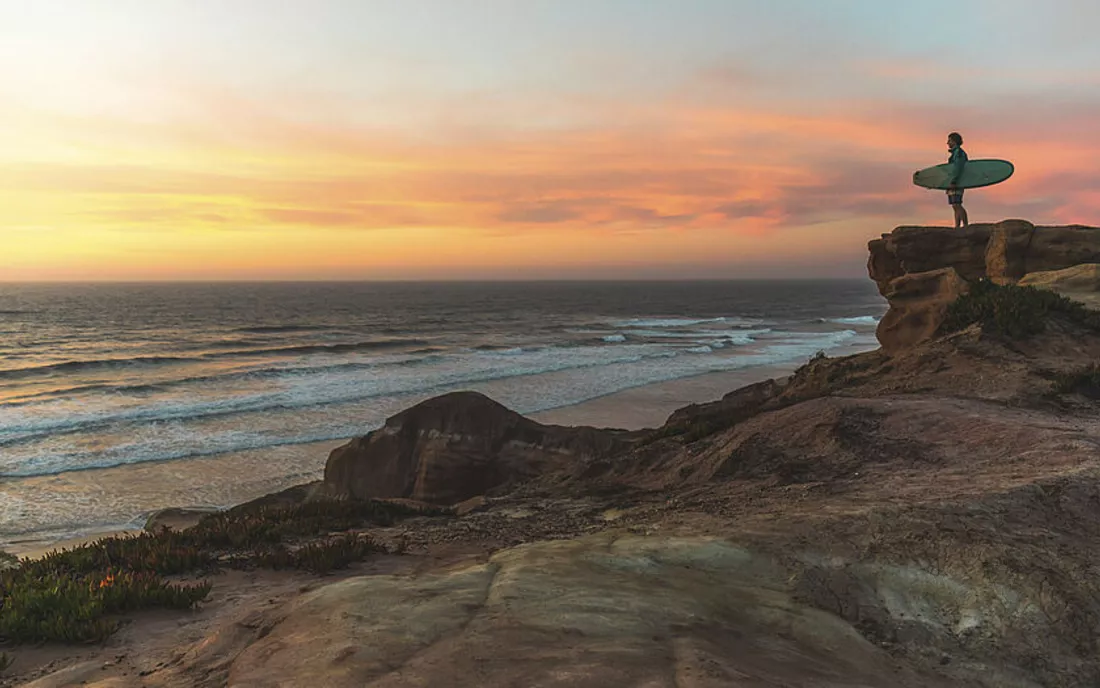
(184, 402)
(226, 480)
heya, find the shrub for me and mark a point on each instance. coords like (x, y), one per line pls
(1085, 382)
(77, 609)
(1012, 311)
(8, 561)
(319, 557)
(73, 595)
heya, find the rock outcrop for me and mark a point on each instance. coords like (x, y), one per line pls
(1080, 282)
(1004, 252)
(909, 250)
(176, 518)
(593, 612)
(918, 305)
(457, 446)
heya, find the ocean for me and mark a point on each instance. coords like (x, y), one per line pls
(113, 396)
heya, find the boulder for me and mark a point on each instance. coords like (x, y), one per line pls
(918, 305)
(176, 518)
(457, 446)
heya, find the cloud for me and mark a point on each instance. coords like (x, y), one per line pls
(700, 164)
(538, 213)
(300, 216)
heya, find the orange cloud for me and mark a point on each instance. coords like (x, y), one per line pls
(729, 176)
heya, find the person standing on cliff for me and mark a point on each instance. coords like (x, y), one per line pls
(957, 160)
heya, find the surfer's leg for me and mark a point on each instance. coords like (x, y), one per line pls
(960, 211)
(955, 199)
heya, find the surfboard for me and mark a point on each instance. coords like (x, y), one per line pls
(977, 173)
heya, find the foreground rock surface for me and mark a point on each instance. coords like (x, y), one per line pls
(598, 611)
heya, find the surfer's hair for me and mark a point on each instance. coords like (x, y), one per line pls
(956, 137)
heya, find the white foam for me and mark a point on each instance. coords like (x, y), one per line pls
(737, 335)
(307, 408)
(615, 338)
(859, 320)
(666, 322)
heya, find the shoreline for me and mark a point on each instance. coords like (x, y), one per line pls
(212, 479)
(649, 406)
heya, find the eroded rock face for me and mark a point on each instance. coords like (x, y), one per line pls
(909, 250)
(456, 446)
(1083, 278)
(1006, 253)
(918, 304)
(1003, 252)
(1055, 248)
(1080, 283)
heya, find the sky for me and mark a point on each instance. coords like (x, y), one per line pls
(523, 139)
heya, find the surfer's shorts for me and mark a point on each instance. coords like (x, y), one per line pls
(955, 197)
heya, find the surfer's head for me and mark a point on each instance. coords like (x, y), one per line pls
(954, 139)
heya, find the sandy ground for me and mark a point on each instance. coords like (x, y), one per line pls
(649, 406)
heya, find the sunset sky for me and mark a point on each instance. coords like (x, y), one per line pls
(458, 139)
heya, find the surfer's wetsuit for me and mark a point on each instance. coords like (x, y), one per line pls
(958, 159)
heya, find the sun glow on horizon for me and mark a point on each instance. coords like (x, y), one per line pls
(291, 148)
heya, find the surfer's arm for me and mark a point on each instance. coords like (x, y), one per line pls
(957, 169)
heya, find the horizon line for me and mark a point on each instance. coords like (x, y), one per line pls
(442, 281)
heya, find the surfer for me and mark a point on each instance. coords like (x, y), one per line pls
(957, 160)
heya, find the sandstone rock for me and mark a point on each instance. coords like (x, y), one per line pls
(1083, 278)
(291, 496)
(1006, 253)
(909, 250)
(457, 446)
(1055, 248)
(918, 304)
(469, 506)
(598, 611)
(176, 519)
(1003, 252)
(1080, 282)
(731, 408)
(78, 674)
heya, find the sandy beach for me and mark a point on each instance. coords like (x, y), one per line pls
(649, 406)
(221, 481)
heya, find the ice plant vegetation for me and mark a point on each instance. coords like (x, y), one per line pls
(77, 595)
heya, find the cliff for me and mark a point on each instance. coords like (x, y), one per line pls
(920, 270)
